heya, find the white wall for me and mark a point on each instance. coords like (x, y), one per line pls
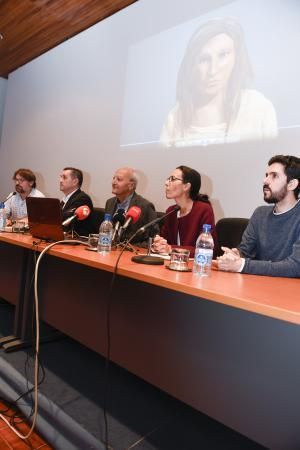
(67, 108)
(3, 85)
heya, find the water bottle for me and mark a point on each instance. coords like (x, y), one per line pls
(2, 217)
(105, 235)
(204, 252)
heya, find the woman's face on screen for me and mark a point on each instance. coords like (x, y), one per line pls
(214, 65)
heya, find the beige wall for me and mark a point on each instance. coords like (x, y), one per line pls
(67, 108)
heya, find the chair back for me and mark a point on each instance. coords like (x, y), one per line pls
(97, 218)
(230, 231)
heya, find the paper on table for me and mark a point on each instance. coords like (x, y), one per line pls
(160, 255)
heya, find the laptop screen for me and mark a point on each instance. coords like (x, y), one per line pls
(45, 218)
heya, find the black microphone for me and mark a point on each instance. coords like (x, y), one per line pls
(10, 196)
(118, 220)
(158, 219)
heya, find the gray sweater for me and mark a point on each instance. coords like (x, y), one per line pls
(271, 243)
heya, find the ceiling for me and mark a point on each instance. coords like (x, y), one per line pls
(29, 28)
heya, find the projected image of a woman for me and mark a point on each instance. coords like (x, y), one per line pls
(214, 103)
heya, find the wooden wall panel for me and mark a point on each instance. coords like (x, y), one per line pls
(29, 28)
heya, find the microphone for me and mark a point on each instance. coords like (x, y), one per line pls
(69, 211)
(132, 215)
(158, 219)
(118, 220)
(10, 196)
(81, 213)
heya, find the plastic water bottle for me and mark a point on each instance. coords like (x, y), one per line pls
(204, 252)
(2, 216)
(105, 235)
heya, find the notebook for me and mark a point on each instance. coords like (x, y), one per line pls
(45, 218)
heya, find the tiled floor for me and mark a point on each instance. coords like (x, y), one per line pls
(10, 441)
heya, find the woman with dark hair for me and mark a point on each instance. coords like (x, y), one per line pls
(183, 229)
(214, 103)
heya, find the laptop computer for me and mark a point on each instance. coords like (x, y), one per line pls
(45, 218)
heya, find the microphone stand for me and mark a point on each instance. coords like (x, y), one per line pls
(158, 219)
(125, 245)
(148, 259)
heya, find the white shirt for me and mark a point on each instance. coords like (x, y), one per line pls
(256, 119)
(15, 207)
(66, 197)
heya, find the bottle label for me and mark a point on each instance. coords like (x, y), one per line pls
(105, 239)
(203, 256)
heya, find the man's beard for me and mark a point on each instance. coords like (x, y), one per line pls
(275, 197)
(19, 189)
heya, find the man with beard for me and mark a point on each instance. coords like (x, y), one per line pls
(271, 241)
(25, 186)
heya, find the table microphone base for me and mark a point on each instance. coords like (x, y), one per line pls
(148, 259)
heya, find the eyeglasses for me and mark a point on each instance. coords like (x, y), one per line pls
(171, 179)
(20, 180)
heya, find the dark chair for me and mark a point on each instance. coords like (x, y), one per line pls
(230, 231)
(97, 218)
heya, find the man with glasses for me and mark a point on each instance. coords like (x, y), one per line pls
(124, 184)
(25, 186)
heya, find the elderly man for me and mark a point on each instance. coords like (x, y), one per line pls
(70, 183)
(25, 186)
(271, 241)
(124, 184)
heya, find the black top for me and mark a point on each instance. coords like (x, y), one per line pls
(148, 214)
(81, 227)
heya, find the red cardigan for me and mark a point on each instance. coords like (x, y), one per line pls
(189, 226)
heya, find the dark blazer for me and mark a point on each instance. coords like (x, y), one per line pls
(148, 214)
(81, 227)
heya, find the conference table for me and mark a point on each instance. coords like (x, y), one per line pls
(227, 344)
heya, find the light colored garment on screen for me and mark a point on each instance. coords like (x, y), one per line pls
(255, 120)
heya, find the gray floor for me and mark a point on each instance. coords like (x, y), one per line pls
(140, 416)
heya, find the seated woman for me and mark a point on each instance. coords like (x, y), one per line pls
(183, 229)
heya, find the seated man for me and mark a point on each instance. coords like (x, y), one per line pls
(25, 186)
(271, 241)
(70, 184)
(124, 183)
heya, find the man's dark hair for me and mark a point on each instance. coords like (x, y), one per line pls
(27, 174)
(76, 173)
(291, 166)
(193, 177)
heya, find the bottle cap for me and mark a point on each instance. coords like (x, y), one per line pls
(107, 217)
(206, 227)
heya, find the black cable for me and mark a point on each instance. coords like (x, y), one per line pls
(4, 303)
(108, 335)
(107, 356)
(29, 391)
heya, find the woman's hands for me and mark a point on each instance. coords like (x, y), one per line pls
(160, 245)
